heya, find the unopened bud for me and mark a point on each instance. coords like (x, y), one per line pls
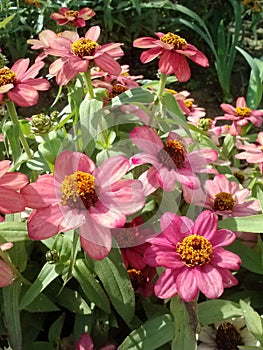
(40, 124)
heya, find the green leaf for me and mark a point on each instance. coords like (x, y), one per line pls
(11, 295)
(13, 232)
(11, 132)
(152, 334)
(90, 285)
(253, 321)
(244, 223)
(56, 329)
(133, 95)
(217, 310)
(49, 151)
(72, 300)
(8, 19)
(185, 319)
(41, 304)
(113, 275)
(47, 274)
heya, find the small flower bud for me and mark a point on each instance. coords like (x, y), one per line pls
(40, 124)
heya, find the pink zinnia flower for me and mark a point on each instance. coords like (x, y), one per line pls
(253, 153)
(193, 256)
(224, 197)
(172, 50)
(19, 82)
(6, 272)
(81, 195)
(76, 18)
(11, 201)
(240, 115)
(171, 162)
(78, 53)
(85, 342)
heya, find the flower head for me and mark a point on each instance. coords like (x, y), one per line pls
(172, 51)
(85, 342)
(82, 195)
(193, 256)
(11, 201)
(240, 115)
(171, 162)
(20, 84)
(77, 54)
(76, 18)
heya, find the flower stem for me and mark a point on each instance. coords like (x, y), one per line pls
(13, 116)
(89, 83)
(163, 78)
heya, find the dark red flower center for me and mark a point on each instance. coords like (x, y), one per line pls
(7, 76)
(78, 189)
(195, 250)
(224, 201)
(138, 279)
(227, 337)
(176, 41)
(243, 112)
(84, 47)
(172, 155)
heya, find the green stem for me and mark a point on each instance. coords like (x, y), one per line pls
(163, 78)
(89, 83)
(13, 116)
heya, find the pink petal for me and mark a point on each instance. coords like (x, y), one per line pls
(146, 139)
(150, 181)
(225, 259)
(39, 84)
(166, 63)
(227, 108)
(186, 283)
(32, 71)
(93, 33)
(166, 257)
(206, 224)
(181, 68)
(165, 286)
(85, 342)
(241, 102)
(144, 158)
(23, 95)
(6, 274)
(4, 167)
(20, 67)
(198, 57)
(108, 64)
(145, 42)
(175, 228)
(107, 217)
(111, 171)
(167, 179)
(149, 55)
(13, 180)
(86, 13)
(222, 238)
(95, 239)
(11, 201)
(209, 281)
(112, 49)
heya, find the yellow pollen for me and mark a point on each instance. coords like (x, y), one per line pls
(117, 89)
(188, 103)
(172, 91)
(176, 41)
(84, 47)
(224, 201)
(137, 278)
(125, 74)
(7, 76)
(72, 13)
(195, 250)
(243, 112)
(77, 189)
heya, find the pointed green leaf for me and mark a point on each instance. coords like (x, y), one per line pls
(133, 95)
(55, 329)
(253, 321)
(251, 223)
(217, 310)
(72, 300)
(13, 231)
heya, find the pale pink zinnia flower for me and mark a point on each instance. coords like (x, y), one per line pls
(224, 197)
(172, 51)
(253, 153)
(20, 84)
(240, 115)
(76, 18)
(193, 256)
(77, 54)
(171, 162)
(81, 195)
(6, 272)
(11, 201)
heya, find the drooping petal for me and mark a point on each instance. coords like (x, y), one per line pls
(11, 201)
(186, 283)
(165, 286)
(149, 55)
(4, 167)
(107, 217)
(146, 139)
(40, 84)
(197, 56)
(209, 281)
(145, 42)
(181, 68)
(167, 62)
(13, 180)
(23, 95)
(108, 64)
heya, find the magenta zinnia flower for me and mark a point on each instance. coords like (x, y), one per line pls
(11, 201)
(171, 162)
(224, 197)
(172, 50)
(193, 256)
(76, 18)
(81, 195)
(240, 115)
(85, 342)
(77, 54)
(20, 84)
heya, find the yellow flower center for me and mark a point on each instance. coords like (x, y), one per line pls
(84, 47)
(172, 155)
(188, 103)
(77, 189)
(176, 41)
(117, 90)
(195, 250)
(138, 279)
(224, 201)
(227, 337)
(7, 76)
(243, 112)
(72, 13)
